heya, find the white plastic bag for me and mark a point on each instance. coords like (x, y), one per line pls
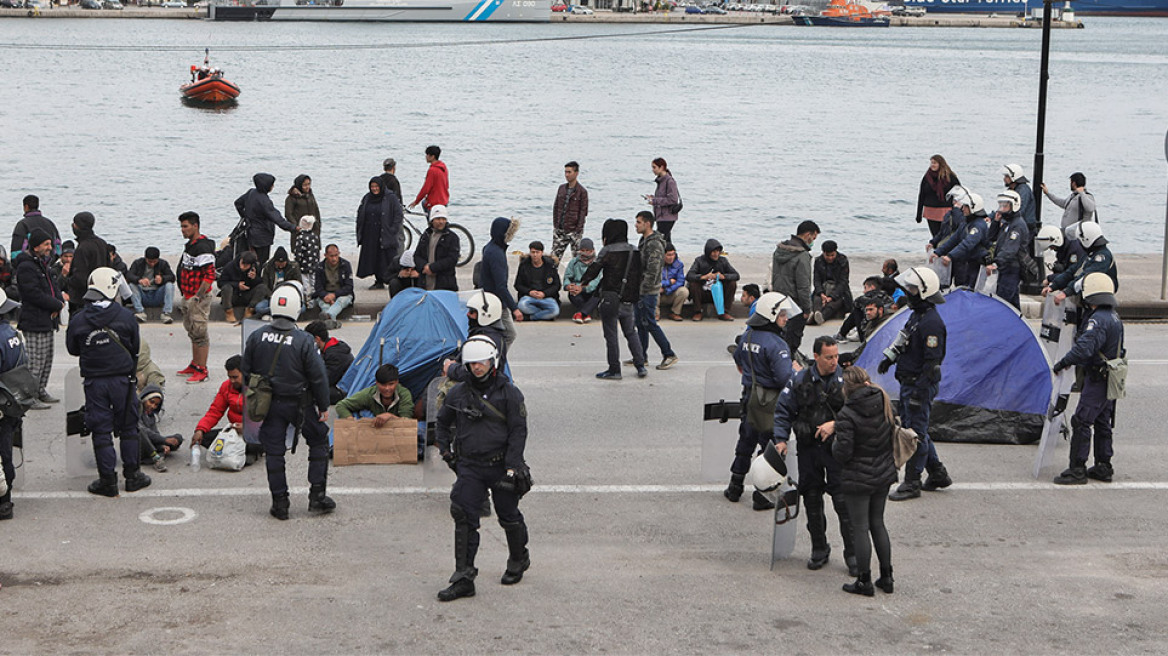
(944, 271)
(986, 283)
(228, 451)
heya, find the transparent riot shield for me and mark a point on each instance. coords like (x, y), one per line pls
(720, 420)
(1057, 334)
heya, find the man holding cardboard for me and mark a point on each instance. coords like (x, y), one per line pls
(383, 400)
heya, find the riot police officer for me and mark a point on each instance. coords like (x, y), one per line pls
(966, 250)
(481, 434)
(1011, 239)
(808, 406)
(1096, 258)
(1100, 339)
(105, 336)
(287, 359)
(11, 409)
(917, 353)
(764, 360)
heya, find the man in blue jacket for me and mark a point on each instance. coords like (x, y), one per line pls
(105, 337)
(674, 293)
(494, 273)
(1010, 238)
(966, 249)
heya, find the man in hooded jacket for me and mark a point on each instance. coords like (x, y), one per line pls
(91, 253)
(261, 216)
(494, 273)
(620, 288)
(712, 265)
(791, 276)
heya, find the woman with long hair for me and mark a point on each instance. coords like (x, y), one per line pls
(932, 204)
(863, 447)
(665, 199)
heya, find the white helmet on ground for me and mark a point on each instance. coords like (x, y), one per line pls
(922, 282)
(1088, 233)
(487, 305)
(480, 348)
(287, 301)
(1048, 236)
(769, 306)
(769, 470)
(1012, 198)
(1099, 289)
(6, 305)
(1013, 171)
(104, 284)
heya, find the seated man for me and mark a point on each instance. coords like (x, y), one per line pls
(890, 271)
(148, 373)
(537, 283)
(333, 286)
(831, 295)
(872, 285)
(407, 276)
(584, 299)
(151, 285)
(674, 293)
(228, 400)
(750, 296)
(877, 308)
(338, 356)
(276, 270)
(241, 287)
(707, 268)
(152, 444)
(382, 400)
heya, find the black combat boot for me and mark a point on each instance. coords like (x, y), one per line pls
(862, 586)
(885, 580)
(135, 480)
(910, 488)
(280, 506)
(733, 492)
(463, 587)
(6, 505)
(938, 479)
(1102, 471)
(462, 581)
(845, 526)
(761, 502)
(318, 501)
(817, 527)
(106, 486)
(518, 560)
(1074, 475)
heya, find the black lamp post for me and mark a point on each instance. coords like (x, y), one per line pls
(1040, 140)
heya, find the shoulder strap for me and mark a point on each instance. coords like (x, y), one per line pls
(275, 359)
(625, 277)
(750, 356)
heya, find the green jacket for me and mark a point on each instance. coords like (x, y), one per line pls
(575, 273)
(370, 399)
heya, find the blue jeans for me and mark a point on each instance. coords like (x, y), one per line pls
(916, 405)
(646, 315)
(162, 297)
(334, 310)
(539, 309)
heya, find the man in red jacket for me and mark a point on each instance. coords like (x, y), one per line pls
(436, 188)
(229, 399)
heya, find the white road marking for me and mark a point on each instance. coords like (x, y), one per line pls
(1026, 486)
(185, 515)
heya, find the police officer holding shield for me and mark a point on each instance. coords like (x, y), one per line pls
(283, 359)
(917, 353)
(481, 434)
(105, 336)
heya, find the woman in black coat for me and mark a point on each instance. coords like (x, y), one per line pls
(863, 448)
(932, 204)
(379, 226)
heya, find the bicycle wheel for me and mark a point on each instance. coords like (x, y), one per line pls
(407, 239)
(467, 244)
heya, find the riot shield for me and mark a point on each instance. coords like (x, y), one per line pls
(1057, 334)
(79, 457)
(720, 421)
(786, 510)
(435, 472)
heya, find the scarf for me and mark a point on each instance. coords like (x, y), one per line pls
(933, 179)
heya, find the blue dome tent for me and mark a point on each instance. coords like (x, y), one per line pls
(995, 381)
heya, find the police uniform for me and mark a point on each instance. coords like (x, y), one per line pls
(809, 400)
(11, 356)
(105, 336)
(482, 431)
(299, 382)
(1100, 338)
(1097, 259)
(967, 250)
(1011, 238)
(918, 370)
(765, 361)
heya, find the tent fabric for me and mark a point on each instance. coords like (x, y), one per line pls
(995, 379)
(419, 328)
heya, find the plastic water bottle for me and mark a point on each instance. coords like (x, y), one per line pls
(196, 457)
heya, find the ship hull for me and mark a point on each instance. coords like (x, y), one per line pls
(423, 11)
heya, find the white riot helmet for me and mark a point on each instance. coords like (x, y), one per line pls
(769, 306)
(1015, 172)
(922, 282)
(958, 195)
(480, 348)
(1099, 289)
(1089, 234)
(287, 301)
(104, 284)
(487, 305)
(976, 204)
(769, 470)
(1012, 198)
(1048, 237)
(6, 305)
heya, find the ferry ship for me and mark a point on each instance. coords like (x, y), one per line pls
(468, 11)
(1080, 7)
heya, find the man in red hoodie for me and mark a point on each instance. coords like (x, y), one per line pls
(228, 400)
(436, 188)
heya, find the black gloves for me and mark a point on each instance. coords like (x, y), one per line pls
(1059, 366)
(517, 481)
(884, 366)
(450, 459)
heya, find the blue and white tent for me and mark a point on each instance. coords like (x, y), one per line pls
(995, 381)
(416, 330)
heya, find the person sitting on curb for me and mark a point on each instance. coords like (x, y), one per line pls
(537, 283)
(583, 298)
(709, 267)
(338, 357)
(151, 285)
(407, 276)
(241, 287)
(334, 286)
(153, 445)
(382, 400)
(278, 269)
(674, 293)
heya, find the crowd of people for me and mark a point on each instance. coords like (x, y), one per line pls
(841, 421)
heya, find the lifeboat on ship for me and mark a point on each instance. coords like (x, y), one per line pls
(208, 85)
